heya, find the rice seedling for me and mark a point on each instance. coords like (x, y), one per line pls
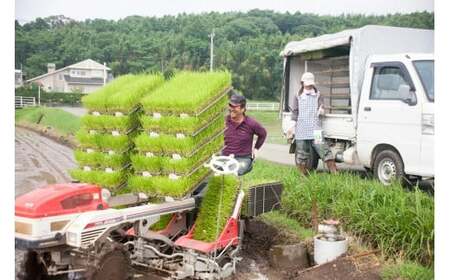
(97, 101)
(172, 124)
(101, 160)
(143, 163)
(216, 208)
(187, 92)
(170, 144)
(108, 123)
(186, 164)
(162, 223)
(104, 142)
(110, 180)
(127, 98)
(166, 186)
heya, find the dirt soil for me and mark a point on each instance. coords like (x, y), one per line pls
(41, 161)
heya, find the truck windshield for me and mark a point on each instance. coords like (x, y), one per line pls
(425, 69)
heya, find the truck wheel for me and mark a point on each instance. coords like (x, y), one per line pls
(388, 167)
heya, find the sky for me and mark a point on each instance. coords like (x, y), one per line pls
(28, 10)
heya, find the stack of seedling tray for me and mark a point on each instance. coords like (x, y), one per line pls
(182, 126)
(107, 131)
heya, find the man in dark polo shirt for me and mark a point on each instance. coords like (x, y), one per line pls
(239, 133)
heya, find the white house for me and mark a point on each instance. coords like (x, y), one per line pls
(83, 77)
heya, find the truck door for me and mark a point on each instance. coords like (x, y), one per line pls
(389, 114)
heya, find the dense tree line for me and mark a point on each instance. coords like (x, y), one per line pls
(247, 44)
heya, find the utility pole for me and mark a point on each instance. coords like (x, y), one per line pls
(211, 56)
(39, 95)
(104, 73)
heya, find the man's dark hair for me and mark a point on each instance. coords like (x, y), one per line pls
(238, 99)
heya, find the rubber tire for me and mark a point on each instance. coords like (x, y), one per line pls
(32, 268)
(396, 159)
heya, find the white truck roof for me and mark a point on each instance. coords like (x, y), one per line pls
(365, 41)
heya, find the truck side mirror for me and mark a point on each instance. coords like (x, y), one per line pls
(407, 95)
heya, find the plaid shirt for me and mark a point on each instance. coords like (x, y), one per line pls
(305, 114)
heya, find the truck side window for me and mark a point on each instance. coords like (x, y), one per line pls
(77, 200)
(386, 83)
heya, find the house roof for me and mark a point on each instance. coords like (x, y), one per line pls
(84, 81)
(85, 64)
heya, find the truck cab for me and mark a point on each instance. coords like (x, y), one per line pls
(378, 88)
(395, 132)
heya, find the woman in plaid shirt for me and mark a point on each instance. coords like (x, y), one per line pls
(307, 109)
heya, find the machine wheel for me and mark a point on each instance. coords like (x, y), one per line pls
(388, 167)
(113, 264)
(32, 268)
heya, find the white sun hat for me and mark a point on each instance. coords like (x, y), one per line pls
(308, 79)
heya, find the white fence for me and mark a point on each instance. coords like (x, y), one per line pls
(22, 101)
(253, 106)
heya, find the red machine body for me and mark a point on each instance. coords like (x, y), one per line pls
(60, 199)
(229, 236)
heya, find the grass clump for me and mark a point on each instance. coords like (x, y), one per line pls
(62, 121)
(406, 271)
(187, 92)
(216, 207)
(104, 142)
(285, 223)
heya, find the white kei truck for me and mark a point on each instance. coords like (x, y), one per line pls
(378, 87)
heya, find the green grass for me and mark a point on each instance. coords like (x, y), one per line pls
(187, 92)
(271, 122)
(285, 223)
(216, 208)
(63, 122)
(398, 222)
(407, 271)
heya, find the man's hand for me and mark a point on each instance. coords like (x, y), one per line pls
(290, 132)
(254, 152)
(321, 111)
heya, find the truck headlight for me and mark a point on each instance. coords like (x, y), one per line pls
(71, 238)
